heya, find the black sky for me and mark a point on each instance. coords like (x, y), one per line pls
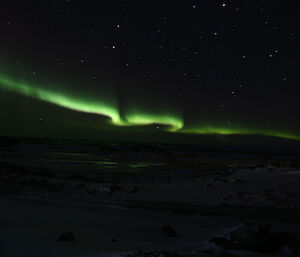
(223, 63)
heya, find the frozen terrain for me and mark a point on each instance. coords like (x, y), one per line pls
(115, 198)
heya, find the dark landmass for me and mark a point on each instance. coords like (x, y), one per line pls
(118, 198)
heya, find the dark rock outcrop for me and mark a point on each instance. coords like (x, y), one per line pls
(66, 237)
(168, 231)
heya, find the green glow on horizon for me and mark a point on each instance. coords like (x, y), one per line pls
(211, 130)
(170, 122)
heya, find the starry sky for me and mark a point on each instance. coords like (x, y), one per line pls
(136, 69)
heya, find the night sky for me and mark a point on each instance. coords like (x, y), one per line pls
(126, 69)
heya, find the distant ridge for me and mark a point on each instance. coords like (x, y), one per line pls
(210, 141)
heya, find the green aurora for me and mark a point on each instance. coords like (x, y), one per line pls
(170, 122)
(210, 130)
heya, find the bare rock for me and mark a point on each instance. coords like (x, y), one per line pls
(66, 237)
(168, 231)
(250, 236)
(133, 189)
(223, 243)
(100, 189)
(258, 238)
